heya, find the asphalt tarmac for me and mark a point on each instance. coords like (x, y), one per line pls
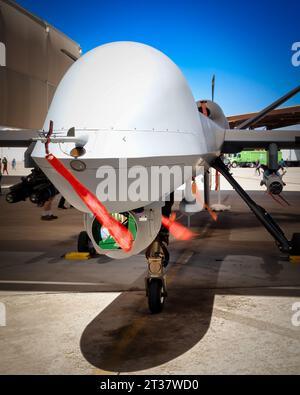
(229, 309)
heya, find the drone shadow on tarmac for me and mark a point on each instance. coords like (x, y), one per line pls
(126, 338)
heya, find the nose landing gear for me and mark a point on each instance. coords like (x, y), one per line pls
(157, 257)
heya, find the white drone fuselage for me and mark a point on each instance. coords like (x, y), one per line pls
(127, 101)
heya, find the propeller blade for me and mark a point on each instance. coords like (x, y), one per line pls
(199, 199)
(173, 216)
(179, 231)
(117, 230)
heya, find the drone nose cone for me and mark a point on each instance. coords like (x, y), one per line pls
(124, 86)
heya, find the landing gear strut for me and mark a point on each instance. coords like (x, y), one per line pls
(291, 247)
(157, 257)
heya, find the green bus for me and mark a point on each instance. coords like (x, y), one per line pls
(249, 158)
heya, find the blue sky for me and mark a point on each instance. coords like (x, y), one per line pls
(247, 44)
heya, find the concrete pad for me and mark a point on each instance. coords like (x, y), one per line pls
(43, 332)
(229, 308)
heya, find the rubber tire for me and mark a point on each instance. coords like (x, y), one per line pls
(252, 165)
(233, 165)
(154, 296)
(83, 243)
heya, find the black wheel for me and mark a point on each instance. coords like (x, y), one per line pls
(156, 297)
(234, 165)
(252, 165)
(84, 243)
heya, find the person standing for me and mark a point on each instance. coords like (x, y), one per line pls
(13, 164)
(281, 166)
(4, 162)
(47, 214)
(257, 167)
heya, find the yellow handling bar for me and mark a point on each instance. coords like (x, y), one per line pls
(77, 256)
(294, 258)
